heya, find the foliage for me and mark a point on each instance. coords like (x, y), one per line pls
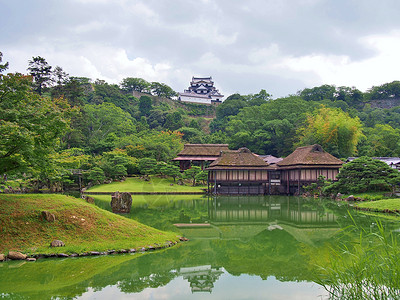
(368, 269)
(145, 105)
(118, 163)
(365, 174)
(384, 91)
(269, 128)
(40, 70)
(96, 175)
(103, 124)
(334, 130)
(381, 140)
(191, 135)
(192, 173)
(147, 166)
(162, 146)
(30, 125)
(3, 67)
(317, 188)
(162, 90)
(170, 170)
(130, 84)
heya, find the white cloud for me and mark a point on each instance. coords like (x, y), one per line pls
(341, 70)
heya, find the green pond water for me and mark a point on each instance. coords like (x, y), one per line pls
(253, 248)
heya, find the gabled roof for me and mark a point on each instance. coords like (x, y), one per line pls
(238, 159)
(203, 149)
(309, 156)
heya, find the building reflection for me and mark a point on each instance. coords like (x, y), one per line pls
(296, 211)
(201, 278)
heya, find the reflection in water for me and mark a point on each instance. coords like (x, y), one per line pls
(267, 209)
(201, 278)
(253, 246)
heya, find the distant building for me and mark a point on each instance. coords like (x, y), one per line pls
(199, 154)
(201, 90)
(393, 162)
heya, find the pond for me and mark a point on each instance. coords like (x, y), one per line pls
(245, 248)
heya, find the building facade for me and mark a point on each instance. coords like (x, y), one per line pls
(238, 172)
(304, 166)
(201, 90)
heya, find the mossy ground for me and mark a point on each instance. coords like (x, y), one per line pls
(80, 225)
(155, 184)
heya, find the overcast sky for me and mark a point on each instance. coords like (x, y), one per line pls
(281, 46)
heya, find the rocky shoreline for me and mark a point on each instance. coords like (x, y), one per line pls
(16, 255)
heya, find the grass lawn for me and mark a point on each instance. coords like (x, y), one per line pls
(381, 205)
(81, 226)
(156, 184)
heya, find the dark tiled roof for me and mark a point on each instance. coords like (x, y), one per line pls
(238, 159)
(310, 155)
(203, 149)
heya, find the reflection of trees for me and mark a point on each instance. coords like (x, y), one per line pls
(138, 284)
(290, 254)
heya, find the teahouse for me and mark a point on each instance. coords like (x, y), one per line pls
(238, 172)
(305, 165)
(200, 154)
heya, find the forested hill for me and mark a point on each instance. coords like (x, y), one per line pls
(52, 122)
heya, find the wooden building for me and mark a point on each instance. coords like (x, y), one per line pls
(238, 172)
(304, 166)
(199, 154)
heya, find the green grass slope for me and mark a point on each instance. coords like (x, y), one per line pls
(386, 205)
(155, 184)
(81, 226)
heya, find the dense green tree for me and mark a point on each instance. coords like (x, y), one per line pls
(118, 157)
(41, 73)
(96, 175)
(30, 125)
(319, 93)
(3, 67)
(352, 96)
(269, 128)
(171, 171)
(104, 92)
(381, 140)
(365, 174)
(192, 173)
(258, 99)
(173, 120)
(147, 166)
(130, 84)
(192, 135)
(162, 146)
(334, 130)
(145, 105)
(384, 91)
(103, 125)
(162, 90)
(202, 176)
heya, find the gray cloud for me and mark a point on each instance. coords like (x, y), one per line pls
(281, 46)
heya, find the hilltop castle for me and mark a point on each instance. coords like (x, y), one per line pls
(201, 90)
